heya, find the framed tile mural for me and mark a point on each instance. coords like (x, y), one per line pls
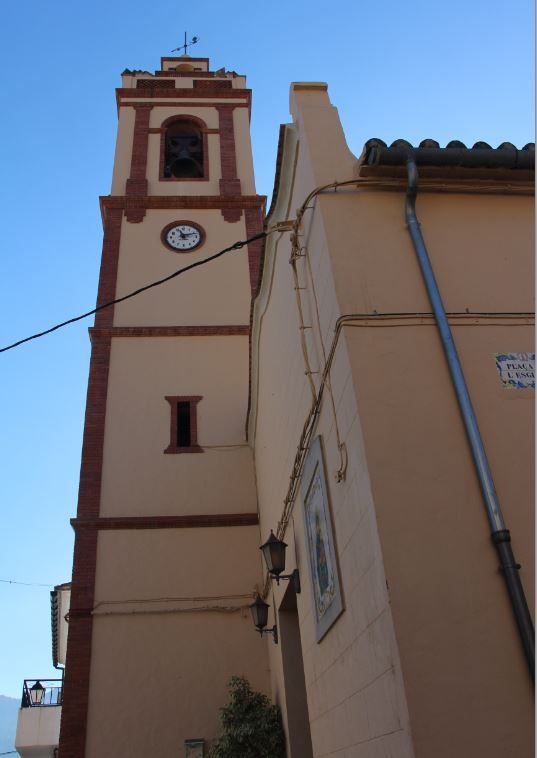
(327, 600)
(194, 748)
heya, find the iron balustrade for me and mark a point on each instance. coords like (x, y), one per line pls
(51, 694)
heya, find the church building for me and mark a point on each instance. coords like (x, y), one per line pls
(318, 390)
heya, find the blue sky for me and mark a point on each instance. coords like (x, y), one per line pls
(457, 70)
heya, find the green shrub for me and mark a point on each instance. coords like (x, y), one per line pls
(251, 725)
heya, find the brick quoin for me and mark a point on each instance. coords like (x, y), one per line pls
(137, 182)
(109, 264)
(231, 215)
(77, 670)
(254, 225)
(229, 183)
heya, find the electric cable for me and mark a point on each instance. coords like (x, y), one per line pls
(26, 584)
(235, 246)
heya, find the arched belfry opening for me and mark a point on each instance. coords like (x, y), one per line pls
(184, 154)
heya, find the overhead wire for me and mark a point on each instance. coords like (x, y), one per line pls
(26, 584)
(236, 246)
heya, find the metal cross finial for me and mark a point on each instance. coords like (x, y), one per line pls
(186, 44)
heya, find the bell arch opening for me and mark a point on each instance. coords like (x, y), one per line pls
(184, 150)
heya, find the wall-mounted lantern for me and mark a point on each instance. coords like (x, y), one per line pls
(36, 693)
(259, 610)
(274, 553)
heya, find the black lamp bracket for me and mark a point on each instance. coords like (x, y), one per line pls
(273, 631)
(294, 577)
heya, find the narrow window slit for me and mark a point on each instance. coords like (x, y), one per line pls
(183, 424)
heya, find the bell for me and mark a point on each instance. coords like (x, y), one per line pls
(185, 165)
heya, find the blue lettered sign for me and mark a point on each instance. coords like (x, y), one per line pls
(517, 370)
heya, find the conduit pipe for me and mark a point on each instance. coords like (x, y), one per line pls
(500, 535)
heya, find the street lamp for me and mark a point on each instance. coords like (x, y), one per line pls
(36, 693)
(274, 554)
(259, 611)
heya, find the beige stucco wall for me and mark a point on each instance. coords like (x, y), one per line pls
(168, 660)
(453, 621)
(424, 598)
(122, 157)
(353, 677)
(202, 296)
(138, 479)
(38, 731)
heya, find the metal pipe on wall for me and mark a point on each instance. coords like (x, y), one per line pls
(499, 533)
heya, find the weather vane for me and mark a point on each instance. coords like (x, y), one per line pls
(187, 44)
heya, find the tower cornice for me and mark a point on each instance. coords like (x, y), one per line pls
(183, 93)
(172, 202)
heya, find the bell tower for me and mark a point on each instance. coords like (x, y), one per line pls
(166, 552)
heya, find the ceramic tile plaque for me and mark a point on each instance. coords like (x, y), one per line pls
(517, 370)
(327, 600)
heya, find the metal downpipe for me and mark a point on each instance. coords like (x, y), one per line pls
(499, 533)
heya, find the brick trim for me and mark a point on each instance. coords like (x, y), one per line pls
(129, 93)
(109, 265)
(189, 74)
(180, 117)
(76, 692)
(165, 522)
(76, 687)
(176, 202)
(170, 331)
(183, 59)
(254, 225)
(193, 401)
(180, 103)
(212, 84)
(231, 215)
(159, 130)
(229, 183)
(137, 182)
(155, 84)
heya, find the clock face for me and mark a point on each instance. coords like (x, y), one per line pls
(183, 236)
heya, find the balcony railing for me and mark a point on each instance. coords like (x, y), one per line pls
(41, 693)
